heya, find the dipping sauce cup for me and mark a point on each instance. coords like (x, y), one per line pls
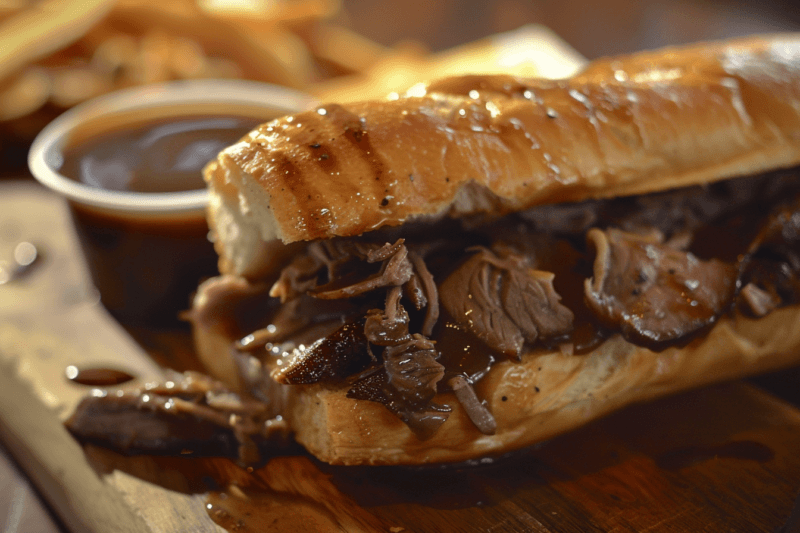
(129, 163)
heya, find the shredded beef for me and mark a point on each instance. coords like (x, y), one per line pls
(423, 421)
(187, 414)
(409, 364)
(297, 278)
(412, 370)
(758, 301)
(331, 261)
(415, 292)
(476, 410)
(335, 271)
(654, 293)
(297, 318)
(395, 270)
(773, 259)
(431, 293)
(389, 327)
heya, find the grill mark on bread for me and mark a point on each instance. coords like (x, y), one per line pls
(353, 129)
(324, 157)
(323, 153)
(307, 198)
(374, 186)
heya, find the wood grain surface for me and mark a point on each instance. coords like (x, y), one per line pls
(724, 458)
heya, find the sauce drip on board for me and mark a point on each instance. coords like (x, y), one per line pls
(97, 376)
(290, 493)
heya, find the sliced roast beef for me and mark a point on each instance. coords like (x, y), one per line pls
(504, 302)
(331, 358)
(653, 293)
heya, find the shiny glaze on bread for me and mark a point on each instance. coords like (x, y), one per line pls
(495, 144)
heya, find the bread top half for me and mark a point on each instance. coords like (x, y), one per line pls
(473, 145)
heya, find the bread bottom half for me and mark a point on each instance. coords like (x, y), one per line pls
(545, 394)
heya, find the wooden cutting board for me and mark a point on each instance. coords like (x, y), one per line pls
(724, 458)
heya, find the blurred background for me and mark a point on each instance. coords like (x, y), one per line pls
(55, 54)
(594, 28)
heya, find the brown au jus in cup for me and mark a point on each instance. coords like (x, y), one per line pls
(147, 251)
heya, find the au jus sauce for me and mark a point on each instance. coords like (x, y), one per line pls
(164, 155)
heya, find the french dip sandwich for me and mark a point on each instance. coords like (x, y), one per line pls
(487, 261)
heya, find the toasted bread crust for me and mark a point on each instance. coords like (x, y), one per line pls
(473, 144)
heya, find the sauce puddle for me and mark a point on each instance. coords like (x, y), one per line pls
(267, 510)
(159, 155)
(97, 376)
(289, 493)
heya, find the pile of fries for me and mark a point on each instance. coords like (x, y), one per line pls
(55, 54)
(62, 52)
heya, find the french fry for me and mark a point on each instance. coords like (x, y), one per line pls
(24, 94)
(401, 67)
(254, 13)
(44, 28)
(86, 47)
(530, 51)
(11, 7)
(288, 49)
(218, 38)
(343, 48)
(71, 86)
(116, 55)
(187, 60)
(154, 58)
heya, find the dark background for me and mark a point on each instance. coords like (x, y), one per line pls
(594, 28)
